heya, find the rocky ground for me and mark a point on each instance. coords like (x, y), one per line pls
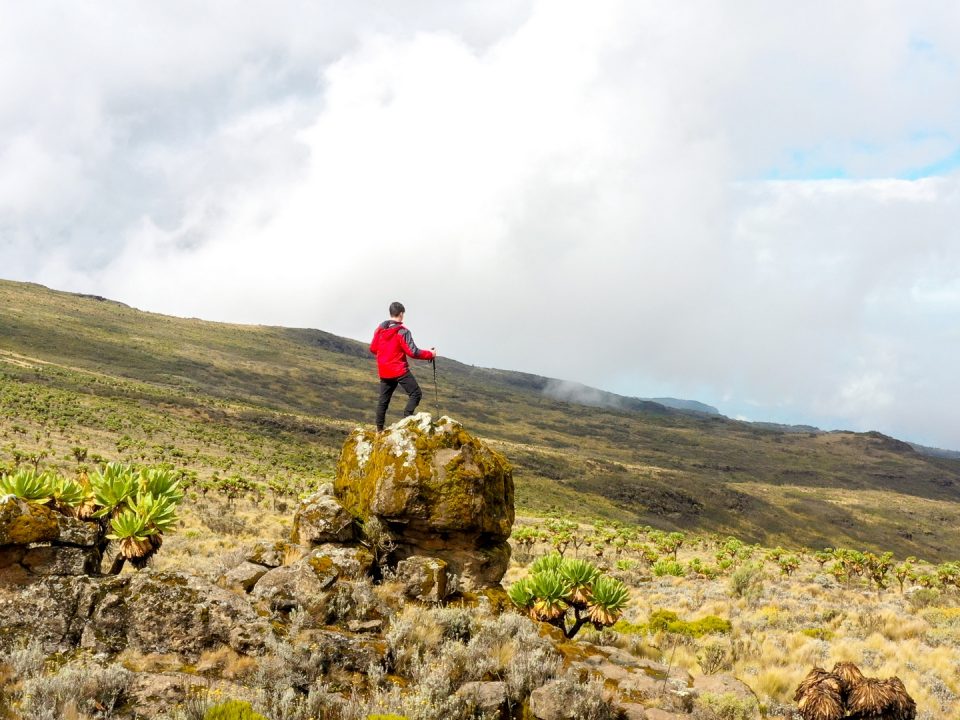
(385, 597)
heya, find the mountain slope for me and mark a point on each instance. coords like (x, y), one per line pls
(268, 402)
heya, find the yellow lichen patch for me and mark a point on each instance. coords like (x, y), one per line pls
(23, 522)
(322, 565)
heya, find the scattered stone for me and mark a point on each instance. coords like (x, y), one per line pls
(632, 711)
(368, 626)
(302, 585)
(321, 519)
(726, 684)
(343, 652)
(169, 612)
(637, 680)
(49, 609)
(273, 554)
(10, 555)
(244, 576)
(723, 683)
(423, 578)
(23, 522)
(350, 562)
(548, 704)
(659, 714)
(490, 698)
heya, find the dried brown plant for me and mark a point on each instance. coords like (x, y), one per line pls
(818, 696)
(849, 675)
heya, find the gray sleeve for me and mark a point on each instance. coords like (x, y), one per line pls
(407, 338)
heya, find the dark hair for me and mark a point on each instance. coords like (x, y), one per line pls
(396, 308)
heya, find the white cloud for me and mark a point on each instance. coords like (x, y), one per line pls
(569, 192)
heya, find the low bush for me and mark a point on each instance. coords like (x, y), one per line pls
(668, 567)
(747, 582)
(232, 710)
(727, 706)
(668, 621)
(818, 633)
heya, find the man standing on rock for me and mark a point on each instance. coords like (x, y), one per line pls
(392, 343)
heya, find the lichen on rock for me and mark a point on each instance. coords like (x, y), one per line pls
(24, 522)
(439, 492)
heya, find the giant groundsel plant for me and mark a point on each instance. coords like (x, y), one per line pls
(569, 593)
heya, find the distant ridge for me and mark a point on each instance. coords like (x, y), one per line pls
(935, 452)
(580, 394)
(686, 405)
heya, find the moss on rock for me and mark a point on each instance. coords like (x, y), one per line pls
(23, 522)
(431, 475)
(431, 489)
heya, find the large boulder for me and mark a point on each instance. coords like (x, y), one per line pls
(435, 491)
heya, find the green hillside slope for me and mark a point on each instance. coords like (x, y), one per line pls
(273, 404)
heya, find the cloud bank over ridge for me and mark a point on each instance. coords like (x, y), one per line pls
(749, 206)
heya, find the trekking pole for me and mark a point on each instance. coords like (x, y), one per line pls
(436, 392)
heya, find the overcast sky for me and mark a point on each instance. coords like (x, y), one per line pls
(754, 204)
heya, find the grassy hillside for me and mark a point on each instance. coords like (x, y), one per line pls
(273, 404)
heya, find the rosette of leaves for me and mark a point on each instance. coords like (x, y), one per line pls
(522, 595)
(74, 497)
(133, 533)
(112, 487)
(551, 592)
(580, 576)
(610, 596)
(161, 482)
(552, 562)
(28, 485)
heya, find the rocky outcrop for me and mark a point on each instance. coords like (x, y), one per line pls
(37, 540)
(434, 491)
(147, 611)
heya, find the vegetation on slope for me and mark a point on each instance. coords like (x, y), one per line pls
(266, 409)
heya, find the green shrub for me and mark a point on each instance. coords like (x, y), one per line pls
(699, 569)
(818, 633)
(233, 710)
(660, 620)
(747, 582)
(709, 625)
(668, 621)
(625, 627)
(923, 598)
(668, 567)
(727, 706)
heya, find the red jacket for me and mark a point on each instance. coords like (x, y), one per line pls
(391, 343)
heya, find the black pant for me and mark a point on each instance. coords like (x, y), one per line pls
(409, 383)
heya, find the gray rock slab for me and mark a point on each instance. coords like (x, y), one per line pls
(61, 560)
